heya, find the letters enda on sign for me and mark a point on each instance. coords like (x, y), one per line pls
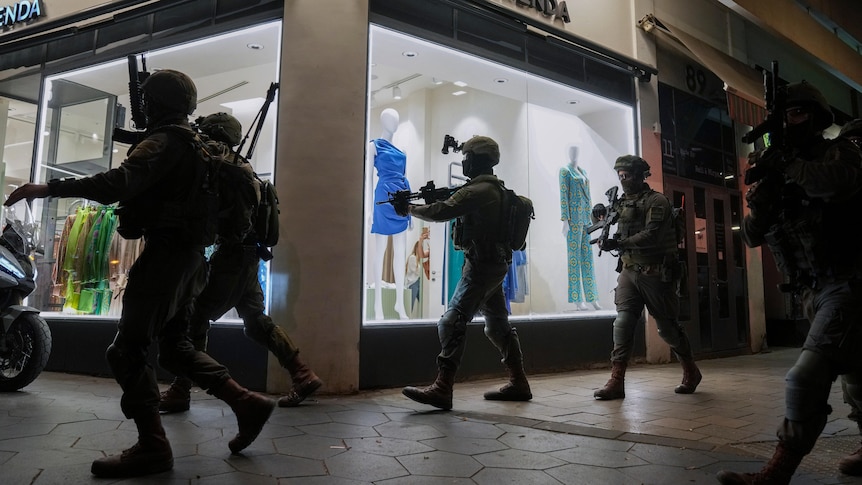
(548, 8)
(23, 11)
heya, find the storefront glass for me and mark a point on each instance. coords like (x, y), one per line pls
(85, 263)
(558, 145)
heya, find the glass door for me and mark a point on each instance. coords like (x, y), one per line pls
(712, 303)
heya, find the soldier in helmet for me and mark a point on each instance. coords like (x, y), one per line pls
(233, 281)
(476, 206)
(811, 191)
(649, 276)
(160, 188)
(851, 383)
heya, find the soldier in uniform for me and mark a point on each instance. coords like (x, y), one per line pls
(649, 276)
(810, 192)
(233, 281)
(160, 188)
(851, 384)
(477, 208)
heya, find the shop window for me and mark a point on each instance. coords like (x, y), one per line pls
(85, 263)
(558, 146)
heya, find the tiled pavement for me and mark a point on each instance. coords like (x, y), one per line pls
(52, 431)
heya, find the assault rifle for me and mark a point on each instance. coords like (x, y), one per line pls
(771, 160)
(429, 193)
(604, 217)
(136, 102)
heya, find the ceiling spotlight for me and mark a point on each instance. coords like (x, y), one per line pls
(501, 80)
(409, 54)
(572, 101)
(254, 47)
(396, 92)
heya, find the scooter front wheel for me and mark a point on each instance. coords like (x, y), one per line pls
(24, 351)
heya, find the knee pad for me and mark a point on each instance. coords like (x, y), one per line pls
(624, 325)
(114, 354)
(453, 323)
(807, 387)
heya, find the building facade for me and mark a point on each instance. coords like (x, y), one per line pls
(564, 86)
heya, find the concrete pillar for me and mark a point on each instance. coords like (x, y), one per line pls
(319, 177)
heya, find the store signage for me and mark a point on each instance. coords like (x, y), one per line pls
(548, 8)
(23, 11)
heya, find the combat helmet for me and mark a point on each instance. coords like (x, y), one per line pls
(222, 127)
(806, 95)
(483, 150)
(632, 163)
(172, 91)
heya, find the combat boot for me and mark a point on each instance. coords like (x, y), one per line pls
(851, 464)
(517, 389)
(176, 398)
(691, 377)
(778, 471)
(438, 394)
(615, 387)
(151, 454)
(252, 410)
(305, 382)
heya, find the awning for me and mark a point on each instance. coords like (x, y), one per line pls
(742, 83)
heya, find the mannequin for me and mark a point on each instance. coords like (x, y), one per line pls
(575, 207)
(391, 164)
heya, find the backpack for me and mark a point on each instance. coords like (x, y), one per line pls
(239, 195)
(193, 219)
(517, 214)
(266, 219)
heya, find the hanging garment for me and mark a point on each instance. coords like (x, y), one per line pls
(391, 164)
(575, 207)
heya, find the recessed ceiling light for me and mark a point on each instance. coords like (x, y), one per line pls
(409, 54)
(501, 80)
(254, 47)
(572, 101)
(459, 93)
(460, 84)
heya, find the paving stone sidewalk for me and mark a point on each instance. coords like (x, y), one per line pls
(51, 431)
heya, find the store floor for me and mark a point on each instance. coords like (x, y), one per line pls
(54, 429)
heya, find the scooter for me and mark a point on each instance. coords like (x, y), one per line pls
(25, 339)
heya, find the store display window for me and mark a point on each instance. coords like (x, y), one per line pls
(558, 145)
(83, 263)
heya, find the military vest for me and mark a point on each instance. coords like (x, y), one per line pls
(638, 211)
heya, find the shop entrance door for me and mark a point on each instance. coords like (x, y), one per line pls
(712, 303)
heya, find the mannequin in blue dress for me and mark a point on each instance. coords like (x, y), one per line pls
(391, 164)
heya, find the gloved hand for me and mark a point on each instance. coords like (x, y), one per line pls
(609, 245)
(402, 208)
(764, 196)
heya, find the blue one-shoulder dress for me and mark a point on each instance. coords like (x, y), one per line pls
(391, 164)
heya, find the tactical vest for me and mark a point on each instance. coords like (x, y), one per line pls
(811, 243)
(192, 219)
(808, 247)
(635, 214)
(478, 233)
